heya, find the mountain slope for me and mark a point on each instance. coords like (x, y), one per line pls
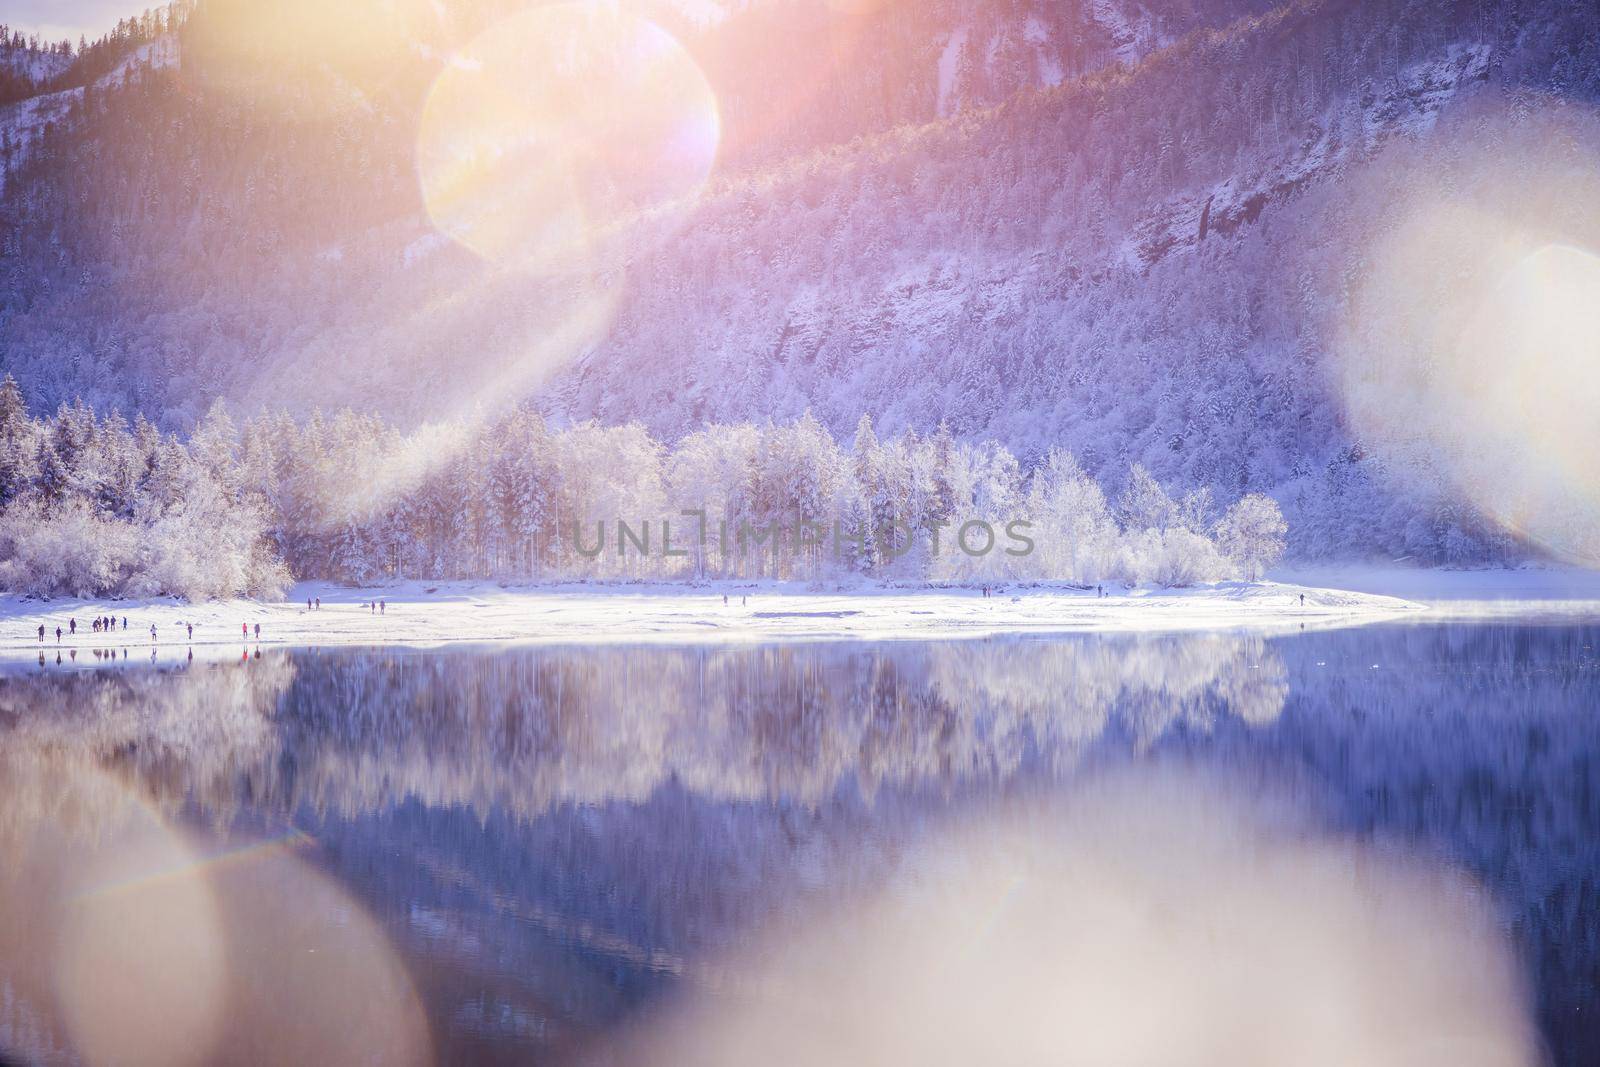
(1147, 260)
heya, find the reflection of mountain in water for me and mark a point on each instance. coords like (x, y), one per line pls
(555, 830)
(552, 834)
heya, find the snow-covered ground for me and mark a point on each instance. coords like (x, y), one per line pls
(430, 614)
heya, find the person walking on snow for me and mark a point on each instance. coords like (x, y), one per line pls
(244, 628)
(383, 607)
(191, 630)
(72, 626)
(258, 631)
(41, 633)
(58, 635)
(152, 635)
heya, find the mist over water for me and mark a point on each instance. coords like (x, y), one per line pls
(563, 853)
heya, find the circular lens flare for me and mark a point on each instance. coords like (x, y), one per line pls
(1532, 352)
(554, 127)
(1471, 361)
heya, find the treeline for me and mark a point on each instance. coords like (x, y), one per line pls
(90, 505)
(30, 66)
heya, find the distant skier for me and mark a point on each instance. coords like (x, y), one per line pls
(41, 633)
(258, 631)
(124, 622)
(244, 628)
(72, 626)
(152, 633)
(58, 635)
(191, 630)
(1302, 600)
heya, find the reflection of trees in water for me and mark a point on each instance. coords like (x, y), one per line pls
(661, 799)
(520, 731)
(1481, 744)
(633, 806)
(169, 732)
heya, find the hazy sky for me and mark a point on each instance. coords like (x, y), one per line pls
(55, 19)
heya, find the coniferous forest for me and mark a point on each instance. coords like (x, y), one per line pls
(1142, 236)
(96, 506)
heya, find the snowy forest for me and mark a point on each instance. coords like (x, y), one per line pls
(94, 506)
(1139, 233)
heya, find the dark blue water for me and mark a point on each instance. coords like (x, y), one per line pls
(553, 842)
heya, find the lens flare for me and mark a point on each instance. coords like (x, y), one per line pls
(1533, 353)
(1146, 921)
(807, 54)
(357, 49)
(125, 940)
(135, 977)
(552, 129)
(1471, 362)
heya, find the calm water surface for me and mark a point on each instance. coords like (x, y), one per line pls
(547, 844)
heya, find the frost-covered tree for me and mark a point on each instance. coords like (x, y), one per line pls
(1251, 534)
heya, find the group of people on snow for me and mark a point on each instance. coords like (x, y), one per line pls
(109, 624)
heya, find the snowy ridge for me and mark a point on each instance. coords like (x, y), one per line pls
(1407, 107)
(24, 122)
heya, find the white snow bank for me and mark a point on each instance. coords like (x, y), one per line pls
(431, 614)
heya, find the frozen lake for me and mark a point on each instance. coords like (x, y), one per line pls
(545, 853)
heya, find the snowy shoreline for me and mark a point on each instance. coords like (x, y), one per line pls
(427, 614)
(435, 614)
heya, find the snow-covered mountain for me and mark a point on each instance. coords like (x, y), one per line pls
(1128, 228)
